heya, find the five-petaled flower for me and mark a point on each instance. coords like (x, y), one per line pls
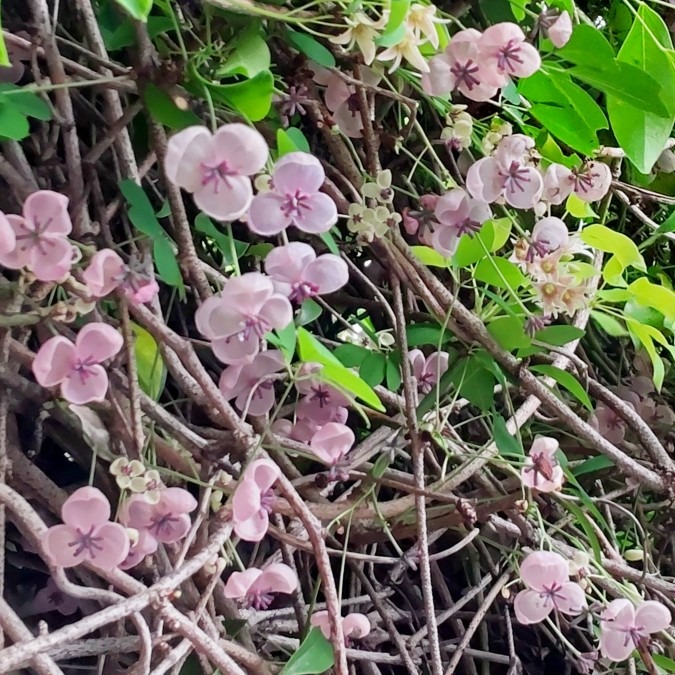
(236, 320)
(354, 626)
(216, 168)
(546, 575)
(255, 587)
(298, 273)
(541, 469)
(77, 367)
(40, 237)
(253, 500)
(294, 198)
(427, 370)
(623, 626)
(87, 535)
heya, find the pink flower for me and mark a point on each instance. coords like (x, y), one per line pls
(461, 66)
(167, 521)
(591, 182)
(546, 575)
(145, 545)
(107, 271)
(507, 174)
(256, 587)
(321, 401)
(253, 499)
(456, 214)
(354, 626)
(250, 384)
(332, 442)
(41, 235)
(216, 167)
(7, 236)
(623, 626)
(77, 367)
(549, 235)
(299, 274)
(541, 470)
(560, 31)
(608, 424)
(52, 599)
(505, 53)
(87, 534)
(427, 370)
(294, 198)
(245, 311)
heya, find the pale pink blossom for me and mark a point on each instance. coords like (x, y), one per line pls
(7, 236)
(427, 370)
(250, 383)
(299, 274)
(144, 545)
(216, 168)
(77, 367)
(623, 626)
(590, 182)
(558, 292)
(256, 588)
(541, 470)
(424, 218)
(546, 576)
(608, 423)
(508, 174)
(125, 471)
(239, 318)
(41, 236)
(560, 31)
(332, 442)
(253, 500)
(549, 235)
(87, 535)
(321, 400)
(456, 213)
(107, 271)
(505, 54)
(461, 66)
(294, 198)
(354, 626)
(407, 48)
(52, 599)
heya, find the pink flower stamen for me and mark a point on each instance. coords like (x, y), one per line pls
(259, 599)
(515, 177)
(303, 290)
(294, 204)
(162, 523)
(216, 175)
(509, 55)
(267, 500)
(87, 542)
(464, 74)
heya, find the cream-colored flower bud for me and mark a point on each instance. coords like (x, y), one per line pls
(634, 555)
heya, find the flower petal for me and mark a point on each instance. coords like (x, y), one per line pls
(319, 216)
(277, 311)
(215, 318)
(50, 210)
(246, 500)
(114, 542)
(177, 500)
(571, 599)
(86, 507)
(89, 387)
(54, 361)
(355, 625)
(239, 583)
(57, 546)
(102, 274)
(254, 528)
(98, 342)
(7, 235)
(530, 607)
(242, 147)
(298, 171)
(328, 273)
(19, 255)
(276, 578)
(543, 568)
(172, 528)
(288, 263)
(236, 351)
(264, 473)
(225, 199)
(265, 215)
(615, 645)
(652, 616)
(51, 258)
(185, 153)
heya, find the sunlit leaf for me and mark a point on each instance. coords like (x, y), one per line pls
(149, 363)
(314, 656)
(567, 381)
(139, 9)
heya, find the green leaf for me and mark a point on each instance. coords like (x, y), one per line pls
(4, 55)
(13, 124)
(285, 340)
(311, 48)
(609, 324)
(499, 272)
(664, 662)
(567, 381)
(646, 335)
(163, 109)
(351, 355)
(559, 335)
(149, 363)
(584, 523)
(314, 656)
(167, 263)
(507, 444)
(328, 239)
(141, 212)
(642, 134)
(429, 256)
(579, 208)
(509, 332)
(250, 55)
(491, 237)
(28, 103)
(593, 464)
(610, 241)
(312, 351)
(206, 226)
(139, 9)
(474, 382)
(373, 368)
(587, 46)
(567, 111)
(398, 11)
(655, 296)
(426, 334)
(251, 98)
(394, 371)
(309, 311)
(291, 140)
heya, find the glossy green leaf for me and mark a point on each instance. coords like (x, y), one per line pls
(642, 134)
(605, 239)
(309, 311)
(28, 103)
(139, 9)
(474, 382)
(579, 208)
(163, 109)
(311, 48)
(291, 140)
(149, 363)
(426, 334)
(393, 371)
(593, 464)
(499, 272)
(653, 295)
(285, 339)
(394, 30)
(609, 324)
(509, 332)
(250, 55)
(664, 662)
(587, 46)
(508, 445)
(13, 124)
(492, 236)
(373, 368)
(567, 381)
(647, 335)
(559, 335)
(351, 355)
(429, 256)
(166, 262)
(252, 98)
(328, 239)
(141, 211)
(314, 656)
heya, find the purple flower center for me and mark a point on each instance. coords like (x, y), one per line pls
(134, 276)
(294, 204)
(425, 382)
(584, 179)
(56, 598)
(86, 541)
(353, 104)
(35, 236)
(515, 177)
(251, 326)
(468, 226)
(321, 395)
(538, 247)
(162, 523)
(301, 290)
(259, 387)
(259, 599)
(84, 368)
(508, 56)
(553, 594)
(464, 74)
(267, 500)
(217, 175)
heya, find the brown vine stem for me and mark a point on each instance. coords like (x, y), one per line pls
(410, 394)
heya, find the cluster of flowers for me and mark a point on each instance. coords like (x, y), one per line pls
(623, 626)
(372, 221)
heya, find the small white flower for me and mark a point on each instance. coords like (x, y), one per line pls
(385, 339)
(149, 485)
(362, 31)
(579, 563)
(216, 500)
(126, 471)
(380, 189)
(356, 336)
(421, 20)
(408, 49)
(263, 182)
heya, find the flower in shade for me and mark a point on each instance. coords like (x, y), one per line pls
(546, 575)
(541, 470)
(216, 168)
(507, 174)
(298, 273)
(167, 520)
(354, 626)
(427, 370)
(52, 599)
(41, 237)
(77, 367)
(144, 545)
(505, 53)
(623, 626)
(86, 535)
(608, 423)
(361, 31)
(294, 198)
(407, 48)
(253, 500)
(331, 443)
(461, 66)
(107, 271)
(256, 588)
(237, 319)
(321, 400)
(125, 471)
(250, 383)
